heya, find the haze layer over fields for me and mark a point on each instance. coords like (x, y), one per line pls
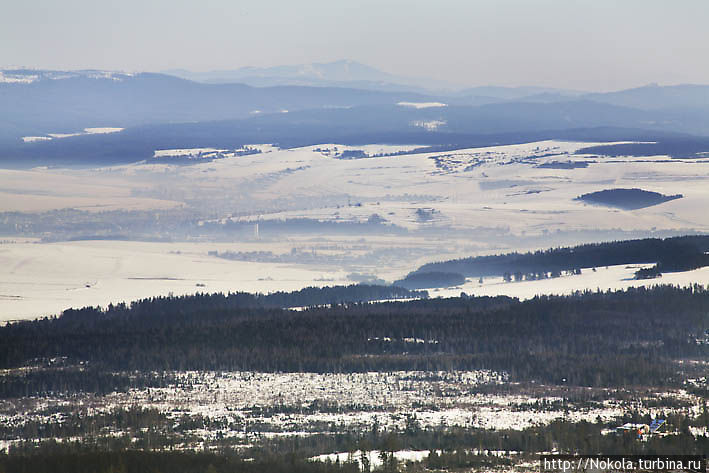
(282, 219)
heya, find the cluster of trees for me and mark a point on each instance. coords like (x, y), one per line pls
(63, 460)
(76, 379)
(564, 164)
(519, 276)
(77, 424)
(458, 459)
(306, 297)
(686, 259)
(451, 448)
(648, 273)
(684, 147)
(430, 279)
(629, 199)
(673, 254)
(593, 338)
(312, 296)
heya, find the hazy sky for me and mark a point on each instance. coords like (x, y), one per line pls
(592, 45)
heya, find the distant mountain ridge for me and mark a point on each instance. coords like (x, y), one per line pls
(343, 70)
(28, 76)
(342, 73)
(163, 110)
(519, 93)
(351, 74)
(651, 97)
(347, 73)
(73, 101)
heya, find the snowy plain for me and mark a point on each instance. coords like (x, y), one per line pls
(439, 206)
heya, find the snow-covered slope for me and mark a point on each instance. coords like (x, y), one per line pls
(412, 208)
(505, 187)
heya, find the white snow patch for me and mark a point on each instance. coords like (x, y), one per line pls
(420, 105)
(32, 139)
(86, 131)
(374, 457)
(10, 78)
(429, 125)
(102, 130)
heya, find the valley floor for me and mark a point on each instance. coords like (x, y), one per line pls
(210, 410)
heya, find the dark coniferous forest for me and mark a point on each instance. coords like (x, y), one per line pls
(672, 254)
(621, 338)
(629, 199)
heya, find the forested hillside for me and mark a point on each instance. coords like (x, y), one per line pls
(595, 339)
(673, 254)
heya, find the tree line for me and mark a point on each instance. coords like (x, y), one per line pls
(671, 254)
(613, 338)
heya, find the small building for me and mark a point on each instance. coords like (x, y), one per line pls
(642, 431)
(636, 429)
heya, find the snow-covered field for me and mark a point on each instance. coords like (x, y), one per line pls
(602, 278)
(447, 205)
(499, 187)
(85, 131)
(40, 279)
(41, 189)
